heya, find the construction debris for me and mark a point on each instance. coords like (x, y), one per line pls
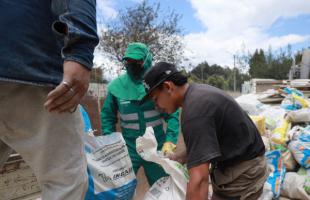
(285, 129)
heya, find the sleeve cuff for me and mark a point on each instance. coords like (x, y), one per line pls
(203, 160)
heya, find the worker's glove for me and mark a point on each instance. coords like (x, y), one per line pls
(168, 148)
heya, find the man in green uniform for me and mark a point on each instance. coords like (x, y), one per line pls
(124, 95)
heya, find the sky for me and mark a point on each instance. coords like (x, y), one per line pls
(215, 30)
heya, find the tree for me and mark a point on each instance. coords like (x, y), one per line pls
(194, 79)
(281, 65)
(258, 65)
(275, 66)
(298, 57)
(217, 81)
(269, 57)
(201, 71)
(221, 77)
(144, 23)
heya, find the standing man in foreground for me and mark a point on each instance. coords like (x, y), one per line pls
(124, 95)
(216, 131)
(46, 50)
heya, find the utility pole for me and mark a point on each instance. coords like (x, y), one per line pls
(234, 73)
(234, 70)
(201, 71)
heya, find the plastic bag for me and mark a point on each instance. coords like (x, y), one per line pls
(301, 101)
(301, 150)
(295, 132)
(276, 176)
(289, 161)
(292, 91)
(110, 171)
(288, 104)
(166, 188)
(267, 143)
(298, 116)
(267, 192)
(259, 121)
(307, 185)
(251, 104)
(303, 172)
(293, 187)
(295, 101)
(306, 173)
(273, 117)
(275, 146)
(279, 134)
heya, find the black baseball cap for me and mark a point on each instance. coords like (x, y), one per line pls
(156, 75)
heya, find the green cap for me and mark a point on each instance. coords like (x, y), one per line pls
(136, 51)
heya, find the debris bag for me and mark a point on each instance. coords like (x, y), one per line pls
(267, 192)
(279, 134)
(289, 104)
(293, 91)
(303, 102)
(303, 172)
(304, 138)
(86, 120)
(251, 104)
(275, 146)
(295, 132)
(259, 121)
(277, 173)
(299, 116)
(273, 117)
(172, 187)
(301, 150)
(307, 185)
(294, 102)
(306, 173)
(293, 186)
(110, 171)
(289, 161)
(267, 143)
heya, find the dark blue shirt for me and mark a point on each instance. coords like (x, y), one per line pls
(37, 36)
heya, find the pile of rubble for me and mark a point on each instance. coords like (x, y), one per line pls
(283, 119)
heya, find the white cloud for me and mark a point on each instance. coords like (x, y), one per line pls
(231, 24)
(105, 12)
(112, 68)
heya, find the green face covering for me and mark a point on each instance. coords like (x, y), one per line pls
(134, 69)
(129, 85)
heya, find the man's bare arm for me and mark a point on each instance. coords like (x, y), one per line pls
(198, 185)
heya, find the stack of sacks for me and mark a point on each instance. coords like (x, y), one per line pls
(285, 130)
(294, 100)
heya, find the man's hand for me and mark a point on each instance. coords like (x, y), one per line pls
(168, 148)
(179, 157)
(67, 95)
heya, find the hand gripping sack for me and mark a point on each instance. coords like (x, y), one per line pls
(166, 188)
